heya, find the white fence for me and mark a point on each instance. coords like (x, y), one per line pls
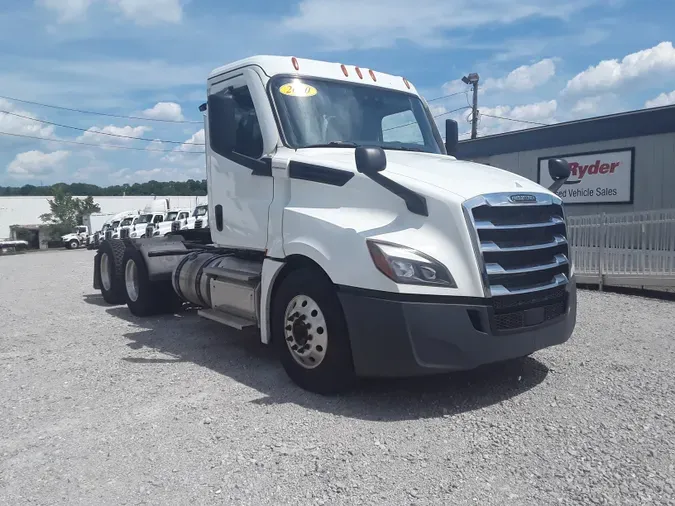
(627, 249)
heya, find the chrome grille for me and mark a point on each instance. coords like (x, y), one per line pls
(149, 230)
(108, 234)
(124, 233)
(521, 246)
(175, 226)
(199, 223)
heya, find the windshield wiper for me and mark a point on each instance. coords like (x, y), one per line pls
(334, 144)
(405, 148)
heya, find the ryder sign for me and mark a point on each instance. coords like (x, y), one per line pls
(600, 177)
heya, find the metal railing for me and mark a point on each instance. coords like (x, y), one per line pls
(624, 249)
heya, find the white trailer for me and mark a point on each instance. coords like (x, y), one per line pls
(351, 237)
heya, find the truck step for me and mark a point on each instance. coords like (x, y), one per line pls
(230, 320)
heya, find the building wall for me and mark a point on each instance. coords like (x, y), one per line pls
(654, 175)
(27, 210)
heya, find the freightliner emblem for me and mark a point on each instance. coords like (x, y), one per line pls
(522, 198)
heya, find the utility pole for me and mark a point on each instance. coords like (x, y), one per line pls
(472, 79)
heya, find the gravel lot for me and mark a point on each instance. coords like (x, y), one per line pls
(98, 407)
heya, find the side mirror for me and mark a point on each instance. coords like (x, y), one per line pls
(451, 137)
(222, 122)
(370, 159)
(559, 170)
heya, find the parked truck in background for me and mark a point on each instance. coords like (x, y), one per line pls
(78, 237)
(153, 214)
(347, 232)
(198, 219)
(174, 216)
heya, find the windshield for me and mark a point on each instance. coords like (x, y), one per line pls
(144, 218)
(318, 112)
(200, 211)
(171, 216)
(126, 222)
(115, 223)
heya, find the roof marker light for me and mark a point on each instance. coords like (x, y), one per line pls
(406, 83)
(344, 70)
(296, 65)
(358, 73)
(372, 74)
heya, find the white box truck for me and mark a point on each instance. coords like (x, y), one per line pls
(345, 230)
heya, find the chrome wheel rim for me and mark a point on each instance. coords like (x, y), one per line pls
(105, 272)
(131, 280)
(305, 331)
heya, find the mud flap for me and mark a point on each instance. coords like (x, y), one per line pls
(97, 271)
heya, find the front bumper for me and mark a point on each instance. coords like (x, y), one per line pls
(412, 336)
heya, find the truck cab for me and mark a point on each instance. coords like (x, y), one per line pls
(78, 237)
(345, 229)
(126, 219)
(172, 217)
(197, 219)
(200, 217)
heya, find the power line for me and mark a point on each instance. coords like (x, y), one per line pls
(441, 98)
(95, 131)
(436, 116)
(516, 120)
(112, 146)
(81, 111)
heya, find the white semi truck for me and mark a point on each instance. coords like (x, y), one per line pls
(347, 232)
(198, 219)
(174, 216)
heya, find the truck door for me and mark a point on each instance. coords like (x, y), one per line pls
(240, 183)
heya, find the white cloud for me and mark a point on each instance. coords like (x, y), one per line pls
(539, 112)
(662, 100)
(524, 78)
(36, 163)
(142, 12)
(381, 23)
(610, 74)
(595, 105)
(67, 10)
(16, 125)
(146, 12)
(92, 135)
(166, 111)
(183, 154)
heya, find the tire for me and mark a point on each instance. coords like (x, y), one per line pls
(112, 252)
(144, 297)
(333, 372)
(73, 244)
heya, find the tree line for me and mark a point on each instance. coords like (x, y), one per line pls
(188, 188)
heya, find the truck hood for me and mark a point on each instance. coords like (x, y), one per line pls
(462, 178)
(69, 236)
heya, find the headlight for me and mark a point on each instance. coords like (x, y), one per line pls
(133, 234)
(406, 265)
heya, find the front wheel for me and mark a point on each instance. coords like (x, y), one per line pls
(310, 333)
(73, 244)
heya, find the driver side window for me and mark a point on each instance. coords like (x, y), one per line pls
(402, 127)
(157, 219)
(249, 141)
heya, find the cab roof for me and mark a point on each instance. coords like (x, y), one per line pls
(275, 65)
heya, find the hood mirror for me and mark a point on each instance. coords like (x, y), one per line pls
(559, 170)
(370, 159)
(451, 137)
